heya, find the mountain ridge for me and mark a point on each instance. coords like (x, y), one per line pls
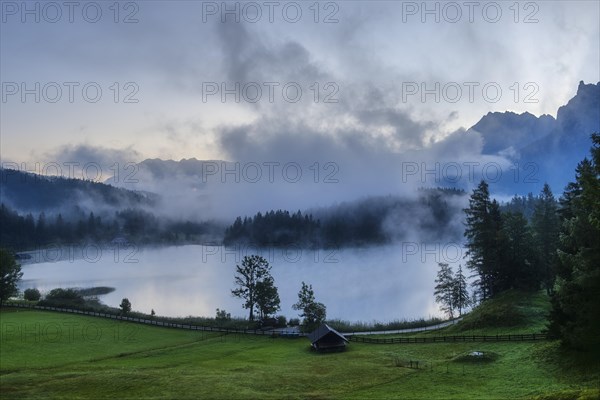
(523, 139)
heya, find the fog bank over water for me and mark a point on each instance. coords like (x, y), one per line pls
(358, 284)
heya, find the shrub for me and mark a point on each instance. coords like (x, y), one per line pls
(268, 322)
(281, 321)
(60, 293)
(125, 305)
(223, 315)
(32, 294)
(68, 298)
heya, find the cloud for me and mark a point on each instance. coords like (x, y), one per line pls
(370, 133)
(91, 162)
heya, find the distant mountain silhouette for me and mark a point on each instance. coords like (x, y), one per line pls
(502, 131)
(546, 149)
(553, 145)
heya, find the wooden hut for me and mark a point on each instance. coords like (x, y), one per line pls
(325, 338)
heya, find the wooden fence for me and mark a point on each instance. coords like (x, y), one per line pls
(516, 337)
(158, 322)
(284, 333)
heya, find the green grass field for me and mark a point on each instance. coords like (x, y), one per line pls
(52, 355)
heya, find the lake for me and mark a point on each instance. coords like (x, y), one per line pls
(356, 284)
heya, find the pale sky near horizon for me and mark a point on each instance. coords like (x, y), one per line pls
(373, 59)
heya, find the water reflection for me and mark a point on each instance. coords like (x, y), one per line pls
(376, 283)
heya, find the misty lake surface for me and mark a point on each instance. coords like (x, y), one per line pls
(357, 284)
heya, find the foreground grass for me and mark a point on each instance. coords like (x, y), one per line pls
(512, 312)
(129, 361)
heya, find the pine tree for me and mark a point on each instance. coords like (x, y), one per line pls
(520, 262)
(445, 289)
(546, 226)
(460, 293)
(483, 233)
(576, 304)
(59, 228)
(41, 229)
(496, 268)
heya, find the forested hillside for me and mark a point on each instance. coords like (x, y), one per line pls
(434, 214)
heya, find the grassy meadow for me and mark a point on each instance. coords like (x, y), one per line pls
(53, 355)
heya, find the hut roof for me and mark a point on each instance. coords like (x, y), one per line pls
(322, 331)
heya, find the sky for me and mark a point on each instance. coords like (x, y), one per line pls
(311, 82)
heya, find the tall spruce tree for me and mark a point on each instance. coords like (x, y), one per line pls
(546, 226)
(444, 289)
(483, 229)
(460, 293)
(519, 261)
(497, 247)
(576, 304)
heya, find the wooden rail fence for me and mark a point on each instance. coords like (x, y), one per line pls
(515, 337)
(158, 322)
(283, 333)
